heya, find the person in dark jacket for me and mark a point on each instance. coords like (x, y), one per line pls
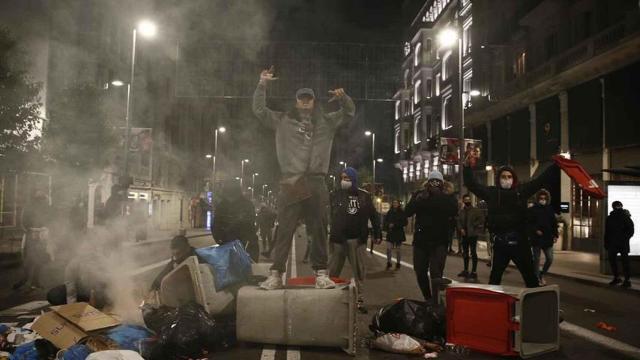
(470, 226)
(180, 251)
(235, 219)
(351, 210)
(265, 219)
(433, 209)
(394, 222)
(618, 231)
(507, 219)
(543, 232)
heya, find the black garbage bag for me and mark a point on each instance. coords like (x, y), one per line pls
(155, 318)
(414, 318)
(188, 332)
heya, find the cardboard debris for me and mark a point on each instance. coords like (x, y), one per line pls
(67, 324)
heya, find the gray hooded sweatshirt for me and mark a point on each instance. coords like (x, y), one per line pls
(302, 146)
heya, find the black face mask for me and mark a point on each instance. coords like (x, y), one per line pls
(467, 204)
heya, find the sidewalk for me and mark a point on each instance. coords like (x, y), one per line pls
(578, 266)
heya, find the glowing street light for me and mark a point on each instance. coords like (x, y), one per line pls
(147, 28)
(379, 160)
(373, 154)
(474, 92)
(208, 156)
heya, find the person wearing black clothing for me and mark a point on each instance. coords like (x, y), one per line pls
(433, 210)
(180, 251)
(618, 230)
(394, 222)
(235, 219)
(507, 219)
(265, 219)
(351, 210)
(470, 225)
(542, 227)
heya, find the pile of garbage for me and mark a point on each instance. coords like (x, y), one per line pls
(410, 327)
(185, 330)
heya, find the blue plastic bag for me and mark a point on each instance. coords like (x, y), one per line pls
(231, 263)
(25, 351)
(129, 337)
(76, 352)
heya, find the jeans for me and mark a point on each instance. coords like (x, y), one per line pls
(352, 250)
(393, 246)
(511, 247)
(469, 245)
(313, 212)
(613, 262)
(428, 264)
(548, 260)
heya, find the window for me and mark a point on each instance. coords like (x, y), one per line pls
(429, 123)
(447, 66)
(417, 96)
(428, 89)
(466, 39)
(466, 88)
(520, 64)
(396, 140)
(428, 48)
(551, 45)
(418, 133)
(438, 84)
(397, 109)
(406, 78)
(447, 112)
(417, 55)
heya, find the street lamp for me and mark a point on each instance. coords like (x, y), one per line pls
(221, 130)
(373, 155)
(242, 172)
(208, 156)
(343, 163)
(253, 183)
(380, 160)
(148, 30)
(263, 187)
(448, 38)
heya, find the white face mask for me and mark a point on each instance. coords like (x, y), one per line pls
(345, 184)
(506, 183)
(542, 202)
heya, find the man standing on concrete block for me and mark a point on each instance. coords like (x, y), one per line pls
(304, 136)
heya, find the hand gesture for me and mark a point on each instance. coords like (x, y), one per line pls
(337, 94)
(267, 75)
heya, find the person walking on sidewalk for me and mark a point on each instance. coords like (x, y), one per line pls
(394, 222)
(507, 215)
(543, 232)
(304, 137)
(351, 209)
(470, 226)
(433, 210)
(618, 231)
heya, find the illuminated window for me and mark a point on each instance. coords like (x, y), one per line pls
(520, 64)
(417, 55)
(417, 129)
(397, 141)
(438, 84)
(447, 112)
(466, 39)
(397, 109)
(447, 67)
(428, 88)
(417, 96)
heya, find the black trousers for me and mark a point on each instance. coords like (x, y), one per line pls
(613, 262)
(520, 254)
(428, 264)
(469, 245)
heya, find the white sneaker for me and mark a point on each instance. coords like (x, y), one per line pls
(323, 281)
(273, 282)
(542, 282)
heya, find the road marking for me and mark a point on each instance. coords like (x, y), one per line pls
(268, 352)
(293, 353)
(601, 340)
(403, 263)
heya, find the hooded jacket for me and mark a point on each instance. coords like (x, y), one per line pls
(542, 218)
(618, 230)
(507, 208)
(351, 211)
(434, 214)
(302, 148)
(397, 218)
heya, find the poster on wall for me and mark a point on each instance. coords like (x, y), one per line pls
(449, 151)
(629, 195)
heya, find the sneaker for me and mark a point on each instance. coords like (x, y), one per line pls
(615, 281)
(473, 276)
(273, 282)
(398, 266)
(626, 284)
(323, 281)
(463, 273)
(388, 265)
(542, 281)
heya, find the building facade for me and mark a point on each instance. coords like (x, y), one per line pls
(554, 76)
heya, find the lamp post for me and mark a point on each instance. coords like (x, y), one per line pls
(147, 29)
(253, 183)
(242, 173)
(343, 163)
(221, 130)
(373, 156)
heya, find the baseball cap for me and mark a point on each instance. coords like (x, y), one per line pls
(305, 91)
